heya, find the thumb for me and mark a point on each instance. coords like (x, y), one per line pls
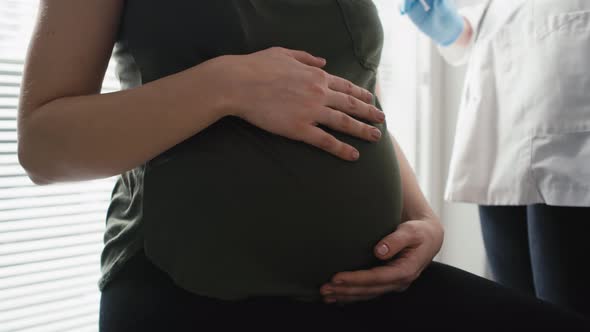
(394, 243)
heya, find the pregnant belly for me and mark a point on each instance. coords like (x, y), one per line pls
(236, 212)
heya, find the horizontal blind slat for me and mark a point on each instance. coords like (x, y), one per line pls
(7, 136)
(57, 200)
(63, 263)
(51, 291)
(88, 327)
(6, 102)
(50, 222)
(6, 91)
(53, 211)
(8, 147)
(50, 236)
(42, 277)
(16, 314)
(51, 320)
(10, 68)
(94, 186)
(87, 323)
(7, 119)
(10, 79)
(50, 254)
(65, 324)
(15, 182)
(62, 242)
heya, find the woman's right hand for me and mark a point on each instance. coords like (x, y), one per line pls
(287, 93)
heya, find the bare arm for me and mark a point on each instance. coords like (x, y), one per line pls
(70, 132)
(405, 253)
(415, 205)
(67, 131)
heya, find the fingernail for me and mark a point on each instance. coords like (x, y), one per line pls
(321, 59)
(383, 250)
(338, 281)
(375, 134)
(327, 291)
(380, 116)
(355, 155)
(330, 300)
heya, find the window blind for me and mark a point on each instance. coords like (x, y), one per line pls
(50, 236)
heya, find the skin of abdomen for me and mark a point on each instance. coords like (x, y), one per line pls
(236, 211)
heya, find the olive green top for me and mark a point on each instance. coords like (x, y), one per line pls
(236, 211)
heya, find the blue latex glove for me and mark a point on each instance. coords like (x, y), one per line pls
(439, 19)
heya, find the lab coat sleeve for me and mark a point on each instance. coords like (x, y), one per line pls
(459, 55)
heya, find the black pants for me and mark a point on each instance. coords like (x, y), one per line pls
(143, 298)
(541, 250)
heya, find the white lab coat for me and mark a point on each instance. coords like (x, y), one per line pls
(523, 134)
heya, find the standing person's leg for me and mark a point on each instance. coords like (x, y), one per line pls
(505, 237)
(560, 249)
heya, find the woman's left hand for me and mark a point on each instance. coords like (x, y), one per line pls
(406, 253)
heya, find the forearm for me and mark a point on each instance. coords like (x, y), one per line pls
(415, 205)
(95, 136)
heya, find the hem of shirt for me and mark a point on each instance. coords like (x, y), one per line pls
(561, 196)
(117, 265)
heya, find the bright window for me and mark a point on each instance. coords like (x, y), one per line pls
(398, 77)
(50, 236)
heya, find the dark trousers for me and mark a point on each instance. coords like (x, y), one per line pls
(541, 250)
(143, 298)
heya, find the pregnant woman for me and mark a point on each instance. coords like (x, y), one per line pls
(259, 183)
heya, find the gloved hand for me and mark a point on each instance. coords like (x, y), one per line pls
(439, 19)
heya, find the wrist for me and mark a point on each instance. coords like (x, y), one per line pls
(437, 231)
(465, 37)
(221, 85)
(452, 33)
(419, 212)
(426, 214)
